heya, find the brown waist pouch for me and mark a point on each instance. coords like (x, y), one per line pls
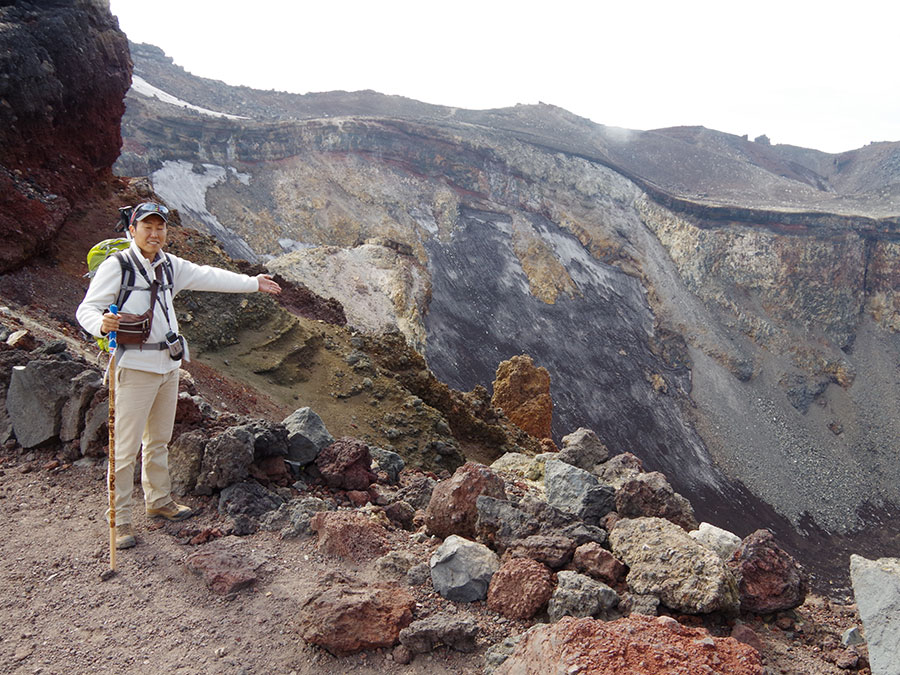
(134, 329)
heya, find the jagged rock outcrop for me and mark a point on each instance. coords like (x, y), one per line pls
(66, 69)
(522, 391)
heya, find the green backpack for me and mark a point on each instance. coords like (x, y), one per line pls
(100, 252)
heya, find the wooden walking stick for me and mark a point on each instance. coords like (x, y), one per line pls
(112, 444)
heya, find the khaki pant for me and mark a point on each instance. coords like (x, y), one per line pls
(145, 415)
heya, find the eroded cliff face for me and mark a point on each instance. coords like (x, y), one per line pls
(746, 352)
(66, 68)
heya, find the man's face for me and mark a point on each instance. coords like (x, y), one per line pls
(149, 235)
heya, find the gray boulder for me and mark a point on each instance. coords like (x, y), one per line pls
(417, 575)
(461, 570)
(582, 533)
(293, 517)
(578, 595)
(307, 435)
(550, 517)
(666, 562)
(389, 462)
(577, 492)
(270, 439)
(72, 417)
(876, 586)
(619, 469)
(451, 630)
(226, 460)
(248, 499)
(417, 490)
(582, 448)
(500, 522)
(95, 435)
(36, 396)
(648, 605)
(185, 459)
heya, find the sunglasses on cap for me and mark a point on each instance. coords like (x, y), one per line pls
(141, 211)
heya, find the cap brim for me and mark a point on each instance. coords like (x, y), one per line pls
(152, 213)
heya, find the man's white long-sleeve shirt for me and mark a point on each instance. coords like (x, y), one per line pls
(186, 276)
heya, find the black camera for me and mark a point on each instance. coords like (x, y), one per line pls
(176, 345)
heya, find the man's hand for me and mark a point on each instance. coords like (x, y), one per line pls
(266, 285)
(109, 323)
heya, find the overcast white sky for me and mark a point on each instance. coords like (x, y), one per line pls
(816, 74)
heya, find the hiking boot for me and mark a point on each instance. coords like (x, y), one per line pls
(125, 536)
(171, 511)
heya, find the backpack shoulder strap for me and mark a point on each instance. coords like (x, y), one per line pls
(170, 273)
(127, 284)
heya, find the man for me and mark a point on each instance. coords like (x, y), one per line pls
(147, 374)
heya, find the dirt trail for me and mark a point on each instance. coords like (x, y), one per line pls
(153, 616)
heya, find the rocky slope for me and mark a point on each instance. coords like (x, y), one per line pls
(365, 565)
(725, 309)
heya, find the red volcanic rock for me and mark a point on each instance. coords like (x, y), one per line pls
(769, 579)
(346, 616)
(743, 633)
(520, 588)
(273, 470)
(649, 494)
(187, 412)
(66, 68)
(346, 464)
(635, 645)
(349, 534)
(223, 571)
(452, 509)
(597, 562)
(522, 391)
(358, 497)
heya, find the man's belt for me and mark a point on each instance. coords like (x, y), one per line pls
(151, 346)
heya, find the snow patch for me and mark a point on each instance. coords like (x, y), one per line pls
(141, 86)
(185, 190)
(244, 178)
